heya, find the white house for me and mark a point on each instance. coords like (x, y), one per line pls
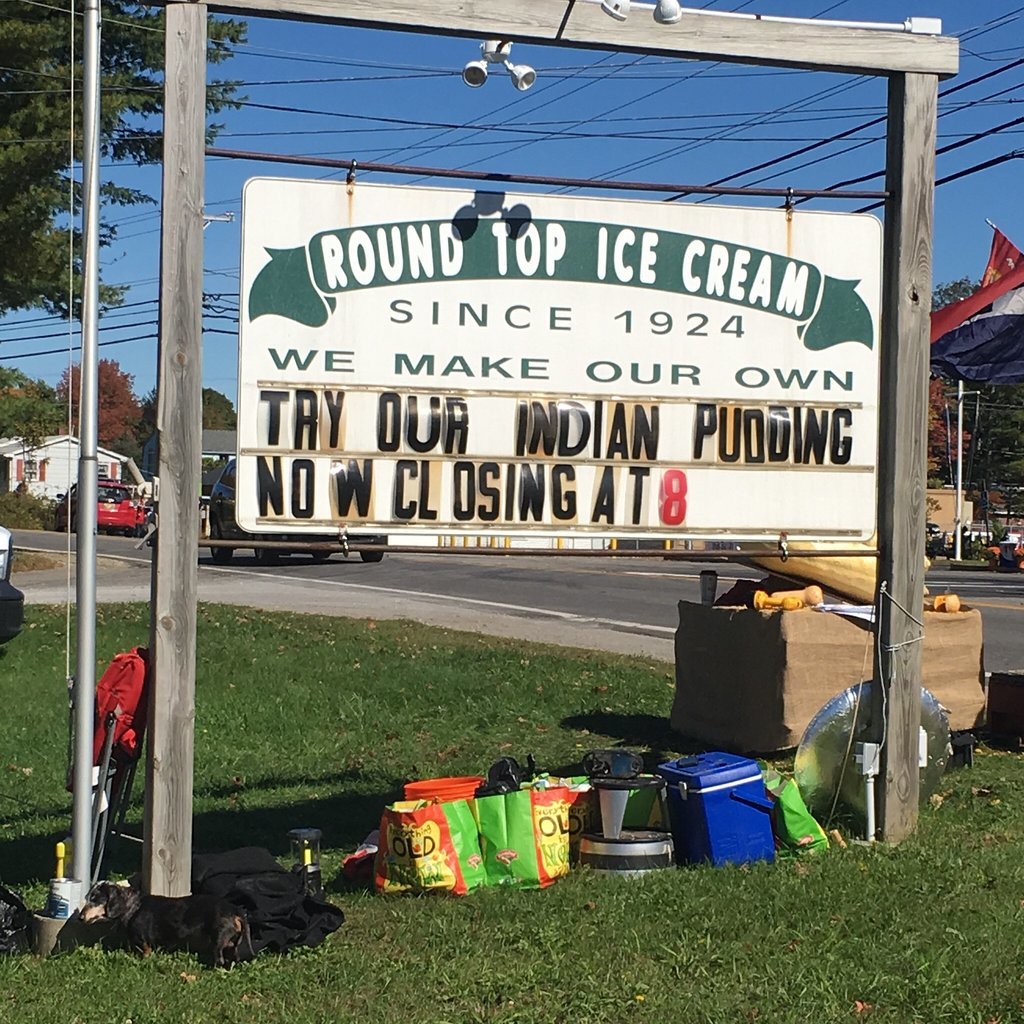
(49, 468)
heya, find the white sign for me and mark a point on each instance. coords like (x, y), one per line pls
(457, 362)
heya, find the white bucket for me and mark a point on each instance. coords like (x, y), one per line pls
(65, 897)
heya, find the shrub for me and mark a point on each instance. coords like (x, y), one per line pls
(25, 511)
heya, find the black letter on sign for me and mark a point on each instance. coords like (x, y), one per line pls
(563, 494)
(268, 485)
(490, 487)
(353, 481)
(618, 437)
(335, 402)
(302, 488)
(639, 475)
(815, 436)
(404, 468)
(604, 504)
(753, 435)
(433, 424)
(305, 421)
(531, 492)
(705, 425)
(732, 429)
(464, 488)
(841, 447)
(274, 399)
(645, 432)
(779, 431)
(456, 426)
(389, 422)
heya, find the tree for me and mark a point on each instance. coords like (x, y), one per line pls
(119, 410)
(218, 411)
(29, 409)
(35, 69)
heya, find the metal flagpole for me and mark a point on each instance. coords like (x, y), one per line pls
(88, 416)
(957, 524)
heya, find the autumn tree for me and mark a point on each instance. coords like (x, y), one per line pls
(36, 55)
(119, 409)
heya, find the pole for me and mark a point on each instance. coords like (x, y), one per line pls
(958, 525)
(902, 456)
(167, 830)
(88, 417)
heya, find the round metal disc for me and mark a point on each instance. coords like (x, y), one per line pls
(827, 774)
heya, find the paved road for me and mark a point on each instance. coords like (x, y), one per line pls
(625, 604)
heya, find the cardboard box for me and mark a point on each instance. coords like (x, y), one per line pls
(750, 681)
(1006, 704)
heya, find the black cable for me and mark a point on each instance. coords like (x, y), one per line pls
(881, 119)
(1016, 154)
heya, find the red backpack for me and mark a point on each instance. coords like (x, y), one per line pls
(122, 692)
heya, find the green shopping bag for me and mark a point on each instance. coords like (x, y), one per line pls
(428, 846)
(795, 828)
(524, 836)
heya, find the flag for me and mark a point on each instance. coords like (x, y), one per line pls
(1003, 258)
(981, 338)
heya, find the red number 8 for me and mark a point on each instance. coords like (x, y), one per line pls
(672, 497)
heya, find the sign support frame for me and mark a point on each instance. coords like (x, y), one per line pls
(913, 63)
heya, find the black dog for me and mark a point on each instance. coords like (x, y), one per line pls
(197, 924)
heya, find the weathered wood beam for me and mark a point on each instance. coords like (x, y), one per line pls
(582, 23)
(902, 442)
(167, 852)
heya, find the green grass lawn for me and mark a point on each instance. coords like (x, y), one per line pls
(303, 720)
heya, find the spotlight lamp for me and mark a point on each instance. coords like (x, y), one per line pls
(522, 75)
(497, 51)
(667, 12)
(617, 9)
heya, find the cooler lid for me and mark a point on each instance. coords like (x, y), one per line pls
(702, 771)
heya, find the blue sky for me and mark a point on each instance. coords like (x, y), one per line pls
(702, 122)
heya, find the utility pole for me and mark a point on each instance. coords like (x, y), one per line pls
(167, 832)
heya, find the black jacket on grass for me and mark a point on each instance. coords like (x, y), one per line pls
(281, 914)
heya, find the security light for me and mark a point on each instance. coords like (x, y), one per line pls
(523, 76)
(667, 12)
(474, 74)
(617, 9)
(496, 51)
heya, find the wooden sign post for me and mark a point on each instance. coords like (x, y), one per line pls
(913, 62)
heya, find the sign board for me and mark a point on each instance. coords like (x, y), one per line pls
(450, 361)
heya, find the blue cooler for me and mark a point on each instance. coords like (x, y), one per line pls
(719, 810)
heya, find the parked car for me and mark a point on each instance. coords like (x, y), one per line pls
(117, 509)
(224, 526)
(12, 600)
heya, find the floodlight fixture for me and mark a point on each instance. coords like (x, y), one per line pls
(497, 51)
(474, 74)
(617, 9)
(667, 12)
(522, 75)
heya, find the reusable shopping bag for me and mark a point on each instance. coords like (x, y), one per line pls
(428, 846)
(524, 835)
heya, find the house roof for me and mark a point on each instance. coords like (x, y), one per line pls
(12, 446)
(220, 442)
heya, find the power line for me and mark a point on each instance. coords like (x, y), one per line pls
(1015, 154)
(775, 161)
